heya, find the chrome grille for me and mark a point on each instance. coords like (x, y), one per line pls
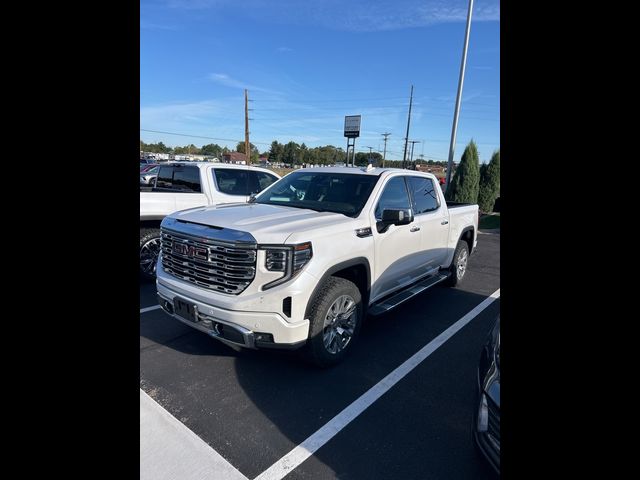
(213, 265)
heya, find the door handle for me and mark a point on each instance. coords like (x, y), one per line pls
(414, 229)
(444, 222)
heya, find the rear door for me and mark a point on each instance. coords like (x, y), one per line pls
(184, 182)
(396, 249)
(432, 218)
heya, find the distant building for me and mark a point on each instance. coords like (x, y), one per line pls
(235, 158)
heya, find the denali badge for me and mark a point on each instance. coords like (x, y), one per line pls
(190, 251)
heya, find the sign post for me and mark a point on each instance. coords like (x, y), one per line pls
(352, 131)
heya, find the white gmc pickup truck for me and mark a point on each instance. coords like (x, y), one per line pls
(304, 261)
(192, 184)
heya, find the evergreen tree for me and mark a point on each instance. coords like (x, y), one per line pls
(489, 183)
(466, 181)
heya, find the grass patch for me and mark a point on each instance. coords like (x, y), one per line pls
(490, 221)
(282, 171)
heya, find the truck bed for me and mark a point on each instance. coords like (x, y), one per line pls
(458, 204)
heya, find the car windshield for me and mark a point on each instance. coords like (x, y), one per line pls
(344, 193)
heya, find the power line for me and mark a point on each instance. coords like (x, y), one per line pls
(201, 136)
(187, 135)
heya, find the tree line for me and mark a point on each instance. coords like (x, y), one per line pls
(473, 183)
(290, 153)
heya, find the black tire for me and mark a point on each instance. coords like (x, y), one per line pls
(331, 291)
(149, 249)
(456, 272)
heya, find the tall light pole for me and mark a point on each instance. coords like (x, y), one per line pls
(384, 155)
(406, 138)
(454, 128)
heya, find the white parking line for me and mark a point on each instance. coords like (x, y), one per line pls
(148, 309)
(170, 451)
(307, 448)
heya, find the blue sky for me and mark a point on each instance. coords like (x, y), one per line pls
(309, 63)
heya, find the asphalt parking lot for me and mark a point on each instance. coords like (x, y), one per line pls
(254, 407)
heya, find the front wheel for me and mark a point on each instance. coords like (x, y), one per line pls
(149, 251)
(458, 266)
(335, 319)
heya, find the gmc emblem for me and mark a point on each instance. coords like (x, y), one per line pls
(190, 251)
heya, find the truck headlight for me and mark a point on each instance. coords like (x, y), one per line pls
(289, 259)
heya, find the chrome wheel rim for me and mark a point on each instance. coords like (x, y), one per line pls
(462, 264)
(149, 256)
(339, 324)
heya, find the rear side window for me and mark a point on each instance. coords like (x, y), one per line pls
(264, 180)
(241, 182)
(232, 181)
(165, 177)
(179, 179)
(394, 196)
(424, 195)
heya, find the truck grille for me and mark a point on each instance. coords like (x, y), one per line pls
(212, 265)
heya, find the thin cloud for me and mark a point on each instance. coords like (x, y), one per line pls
(364, 15)
(156, 26)
(284, 49)
(195, 4)
(227, 81)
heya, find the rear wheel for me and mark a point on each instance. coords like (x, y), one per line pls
(335, 316)
(149, 250)
(458, 267)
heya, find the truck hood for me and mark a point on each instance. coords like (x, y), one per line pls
(266, 223)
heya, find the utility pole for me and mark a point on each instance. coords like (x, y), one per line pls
(413, 142)
(454, 128)
(247, 145)
(370, 148)
(406, 138)
(384, 155)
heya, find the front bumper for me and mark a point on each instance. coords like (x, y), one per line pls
(240, 328)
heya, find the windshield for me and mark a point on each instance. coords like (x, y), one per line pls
(344, 193)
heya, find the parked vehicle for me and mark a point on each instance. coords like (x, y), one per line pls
(486, 429)
(310, 256)
(187, 185)
(148, 177)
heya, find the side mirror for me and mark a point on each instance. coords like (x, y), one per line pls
(252, 198)
(393, 216)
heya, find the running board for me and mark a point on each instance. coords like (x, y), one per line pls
(396, 299)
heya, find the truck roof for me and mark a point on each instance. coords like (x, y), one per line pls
(363, 170)
(216, 165)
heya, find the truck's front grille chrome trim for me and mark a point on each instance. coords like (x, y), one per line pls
(210, 265)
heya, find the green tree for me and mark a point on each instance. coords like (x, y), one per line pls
(154, 147)
(276, 152)
(254, 150)
(466, 181)
(212, 149)
(489, 183)
(291, 153)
